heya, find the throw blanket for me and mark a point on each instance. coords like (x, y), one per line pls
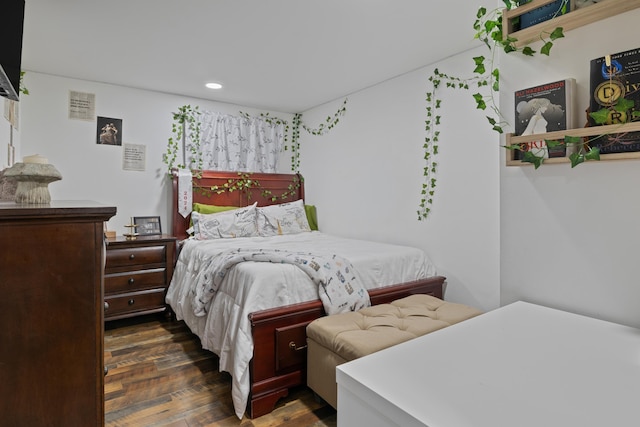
(338, 288)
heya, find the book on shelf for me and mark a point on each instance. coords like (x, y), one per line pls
(545, 108)
(544, 13)
(613, 79)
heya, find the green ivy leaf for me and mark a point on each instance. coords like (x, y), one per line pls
(508, 48)
(593, 154)
(527, 51)
(576, 159)
(529, 157)
(572, 139)
(480, 104)
(623, 105)
(489, 26)
(546, 48)
(553, 143)
(601, 116)
(556, 34)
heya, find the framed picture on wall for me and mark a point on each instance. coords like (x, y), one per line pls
(148, 225)
(109, 131)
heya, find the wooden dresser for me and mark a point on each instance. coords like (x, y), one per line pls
(51, 314)
(137, 275)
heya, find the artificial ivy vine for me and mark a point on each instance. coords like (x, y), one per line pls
(488, 28)
(246, 182)
(296, 124)
(295, 142)
(186, 124)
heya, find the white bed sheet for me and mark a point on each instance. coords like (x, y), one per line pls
(255, 286)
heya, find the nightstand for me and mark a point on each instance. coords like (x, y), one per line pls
(137, 274)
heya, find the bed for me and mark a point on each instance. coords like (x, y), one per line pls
(267, 335)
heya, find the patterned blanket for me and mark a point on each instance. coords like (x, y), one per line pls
(338, 287)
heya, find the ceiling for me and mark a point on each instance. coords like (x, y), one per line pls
(279, 55)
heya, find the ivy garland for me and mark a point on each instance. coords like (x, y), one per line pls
(488, 27)
(295, 142)
(186, 124)
(296, 124)
(245, 182)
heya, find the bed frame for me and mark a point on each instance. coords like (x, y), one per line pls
(279, 334)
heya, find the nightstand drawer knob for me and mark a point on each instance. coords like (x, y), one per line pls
(131, 301)
(131, 280)
(106, 305)
(132, 256)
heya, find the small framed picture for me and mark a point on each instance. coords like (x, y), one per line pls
(147, 225)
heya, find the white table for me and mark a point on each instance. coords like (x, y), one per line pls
(518, 366)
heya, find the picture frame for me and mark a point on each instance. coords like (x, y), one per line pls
(147, 225)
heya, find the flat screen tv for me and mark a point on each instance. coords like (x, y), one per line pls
(11, 25)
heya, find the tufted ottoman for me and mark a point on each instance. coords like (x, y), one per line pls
(333, 340)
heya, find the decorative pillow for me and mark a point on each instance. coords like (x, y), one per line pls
(285, 218)
(312, 217)
(239, 222)
(209, 209)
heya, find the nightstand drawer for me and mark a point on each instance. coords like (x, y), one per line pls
(134, 280)
(133, 302)
(128, 257)
(137, 275)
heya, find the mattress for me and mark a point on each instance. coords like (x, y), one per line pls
(253, 286)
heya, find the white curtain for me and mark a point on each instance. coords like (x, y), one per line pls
(244, 144)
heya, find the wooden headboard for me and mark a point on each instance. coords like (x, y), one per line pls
(266, 189)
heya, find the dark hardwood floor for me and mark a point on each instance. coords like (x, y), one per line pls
(160, 376)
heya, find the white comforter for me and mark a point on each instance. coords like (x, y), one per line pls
(253, 286)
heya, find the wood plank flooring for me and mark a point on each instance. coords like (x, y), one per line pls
(159, 375)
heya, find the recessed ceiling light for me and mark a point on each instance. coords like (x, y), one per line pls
(214, 85)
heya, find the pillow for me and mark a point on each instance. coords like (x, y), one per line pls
(239, 222)
(312, 217)
(285, 218)
(209, 209)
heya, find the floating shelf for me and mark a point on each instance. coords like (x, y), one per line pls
(569, 21)
(582, 132)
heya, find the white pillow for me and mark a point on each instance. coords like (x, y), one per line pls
(285, 218)
(233, 223)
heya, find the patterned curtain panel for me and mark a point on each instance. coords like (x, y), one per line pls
(234, 143)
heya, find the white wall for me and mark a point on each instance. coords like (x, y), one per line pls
(570, 238)
(94, 172)
(7, 135)
(365, 177)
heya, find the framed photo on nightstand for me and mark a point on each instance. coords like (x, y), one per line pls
(147, 225)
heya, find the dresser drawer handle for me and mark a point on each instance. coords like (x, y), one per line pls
(106, 305)
(294, 347)
(132, 256)
(131, 301)
(131, 280)
(106, 370)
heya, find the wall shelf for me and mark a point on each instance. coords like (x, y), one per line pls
(574, 19)
(582, 132)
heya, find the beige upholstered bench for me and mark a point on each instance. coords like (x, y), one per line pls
(333, 340)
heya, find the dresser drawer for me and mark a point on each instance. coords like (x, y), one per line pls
(128, 257)
(291, 346)
(134, 281)
(117, 305)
